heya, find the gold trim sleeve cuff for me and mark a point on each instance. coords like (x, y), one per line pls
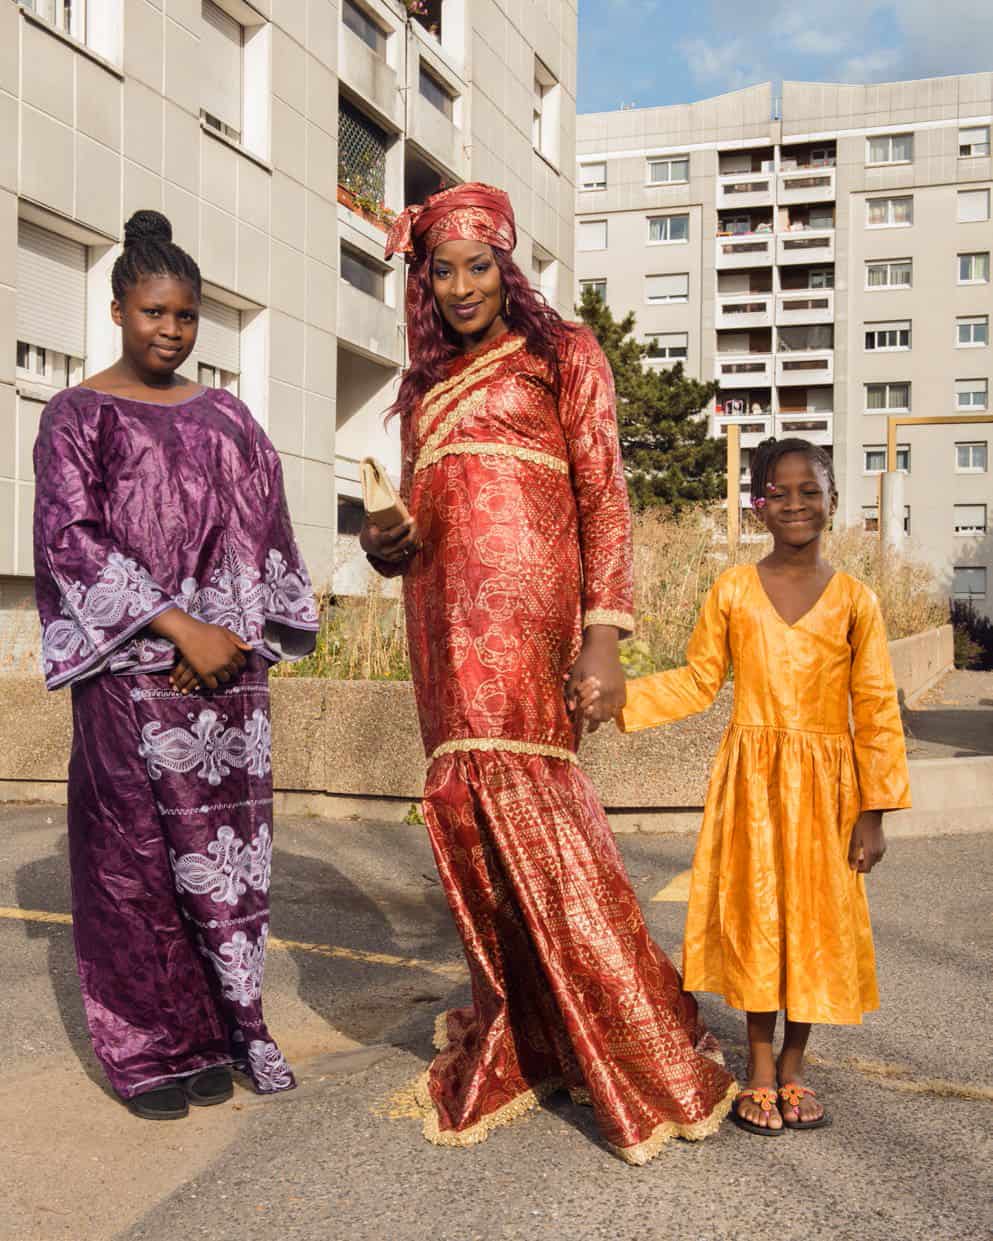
(603, 616)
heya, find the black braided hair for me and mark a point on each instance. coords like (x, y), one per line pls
(149, 250)
(766, 455)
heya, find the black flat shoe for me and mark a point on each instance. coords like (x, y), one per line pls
(209, 1087)
(163, 1103)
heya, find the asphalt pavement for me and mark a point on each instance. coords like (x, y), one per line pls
(367, 958)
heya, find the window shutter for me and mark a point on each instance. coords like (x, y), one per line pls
(667, 286)
(51, 290)
(218, 338)
(220, 64)
(974, 205)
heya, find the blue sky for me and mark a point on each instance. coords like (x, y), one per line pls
(650, 52)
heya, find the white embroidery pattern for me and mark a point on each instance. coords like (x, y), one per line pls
(210, 745)
(288, 594)
(239, 963)
(123, 589)
(228, 869)
(269, 1068)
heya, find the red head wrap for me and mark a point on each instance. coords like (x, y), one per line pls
(471, 212)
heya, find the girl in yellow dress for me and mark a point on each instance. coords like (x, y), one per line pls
(777, 916)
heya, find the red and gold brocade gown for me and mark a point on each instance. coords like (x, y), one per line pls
(522, 508)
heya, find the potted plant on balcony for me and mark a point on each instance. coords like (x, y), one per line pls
(357, 190)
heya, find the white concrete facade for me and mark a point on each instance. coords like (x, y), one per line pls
(827, 264)
(225, 114)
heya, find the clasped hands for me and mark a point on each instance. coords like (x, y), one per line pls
(209, 655)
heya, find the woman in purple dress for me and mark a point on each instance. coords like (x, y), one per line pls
(168, 580)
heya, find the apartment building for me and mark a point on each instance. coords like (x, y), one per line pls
(277, 135)
(826, 259)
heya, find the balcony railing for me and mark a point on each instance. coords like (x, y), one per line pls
(744, 250)
(805, 306)
(743, 310)
(802, 367)
(743, 370)
(814, 425)
(807, 185)
(806, 245)
(744, 189)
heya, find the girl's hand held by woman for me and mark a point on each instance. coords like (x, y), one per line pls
(868, 843)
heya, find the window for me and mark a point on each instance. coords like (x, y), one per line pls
(437, 95)
(361, 153)
(545, 112)
(216, 357)
(890, 212)
(597, 287)
(887, 337)
(874, 458)
(662, 289)
(670, 346)
(974, 141)
(592, 235)
(891, 274)
(974, 268)
(51, 307)
(969, 582)
(890, 149)
(593, 176)
(972, 331)
(972, 458)
(663, 228)
(360, 23)
(546, 274)
(887, 398)
(669, 171)
(221, 41)
(69, 16)
(870, 518)
(974, 205)
(215, 377)
(821, 278)
(363, 273)
(971, 393)
(970, 519)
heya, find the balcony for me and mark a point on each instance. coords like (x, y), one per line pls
(802, 367)
(744, 250)
(743, 310)
(754, 429)
(368, 325)
(816, 425)
(807, 185)
(744, 189)
(801, 306)
(805, 245)
(743, 370)
(371, 79)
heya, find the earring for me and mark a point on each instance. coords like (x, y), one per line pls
(506, 305)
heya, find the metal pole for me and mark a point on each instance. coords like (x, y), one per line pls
(734, 485)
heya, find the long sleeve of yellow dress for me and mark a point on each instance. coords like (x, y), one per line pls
(880, 751)
(669, 696)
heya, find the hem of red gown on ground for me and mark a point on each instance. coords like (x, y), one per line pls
(638, 1155)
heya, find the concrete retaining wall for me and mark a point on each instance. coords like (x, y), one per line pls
(337, 744)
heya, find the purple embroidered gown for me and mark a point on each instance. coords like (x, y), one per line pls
(139, 508)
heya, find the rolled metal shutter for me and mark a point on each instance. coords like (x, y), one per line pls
(220, 62)
(51, 290)
(219, 336)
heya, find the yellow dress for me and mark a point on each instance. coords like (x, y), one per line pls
(777, 919)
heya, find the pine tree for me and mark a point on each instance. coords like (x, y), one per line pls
(669, 458)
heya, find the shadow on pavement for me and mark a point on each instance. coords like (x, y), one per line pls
(967, 731)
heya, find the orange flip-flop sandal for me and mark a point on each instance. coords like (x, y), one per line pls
(765, 1099)
(792, 1094)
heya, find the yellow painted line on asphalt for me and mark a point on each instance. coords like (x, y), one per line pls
(453, 970)
(676, 890)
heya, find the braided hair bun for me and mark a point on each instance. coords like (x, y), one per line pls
(147, 226)
(149, 250)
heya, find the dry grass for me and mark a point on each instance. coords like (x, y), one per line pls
(361, 639)
(676, 560)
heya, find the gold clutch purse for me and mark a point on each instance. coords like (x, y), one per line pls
(382, 503)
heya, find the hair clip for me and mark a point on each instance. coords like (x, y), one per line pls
(758, 502)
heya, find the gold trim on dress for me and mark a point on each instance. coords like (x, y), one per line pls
(465, 745)
(525, 1102)
(645, 1151)
(450, 388)
(441, 1039)
(458, 413)
(492, 450)
(603, 616)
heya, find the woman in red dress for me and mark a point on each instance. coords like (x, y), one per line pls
(517, 584)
